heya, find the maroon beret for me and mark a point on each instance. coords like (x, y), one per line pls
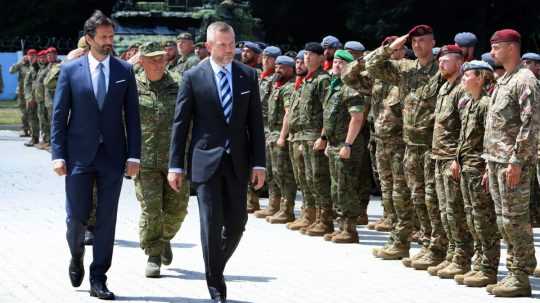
(389, 40)
(505, 35)
(31, 52)
(420, 30)
(51, 50)
(42, 53)
(450, 49)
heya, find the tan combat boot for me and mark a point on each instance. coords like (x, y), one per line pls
(408, 261)
(363, 217)
(429, 259)
(460, 279)
(306, 218)
(317, 215)
(348, 233)
(324, 225)
(273, 207)
(480, 279)
(537, 272)
(394, 252)
(371, 225)
(329, 236)
(433, 270)
(285, 213)
(513, 287)
(385, 225)
(453, 269)
(252, 201)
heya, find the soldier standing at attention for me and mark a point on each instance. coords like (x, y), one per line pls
(510, 150)
(250, 55)
(171, 55)
(330, 45)
(31, 105)
(162, 209)
(467, 42)
(186, 48)
(39, 95)
(22, 68)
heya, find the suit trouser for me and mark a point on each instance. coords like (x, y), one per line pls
(222, 211)
(79, 185)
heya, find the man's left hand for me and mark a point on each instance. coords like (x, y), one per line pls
(132, 168)
(513, 175)
(257, 178)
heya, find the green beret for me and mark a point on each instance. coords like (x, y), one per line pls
(151, 49)
(169, 43)
(343, 55)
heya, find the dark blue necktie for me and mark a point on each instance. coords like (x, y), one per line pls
(101, 87)
(226, 96)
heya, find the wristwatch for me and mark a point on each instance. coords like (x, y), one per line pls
(349, 145)
(324, 138)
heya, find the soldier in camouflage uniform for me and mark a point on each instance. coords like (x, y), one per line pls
(445, 141)
(172, 57)
(163, 209)
(186, 48)
(31, 105)
(510, 149)
(266, 84)
(50, 80)
(296, 149)
(282, 170)
(39, 94)
(344, 118)
(412, 77)
(21, 68)
(469, 167)
(306, 121)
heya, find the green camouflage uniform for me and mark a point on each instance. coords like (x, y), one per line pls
(418, 95)
(29, 98)
(22, 69)
(445, 142)
(162, 209)
(282, 170)
(50, 85)
(341, 101)
(305, 124)
(511, 137)
(478, 204)
(39, 93)
(184, 63)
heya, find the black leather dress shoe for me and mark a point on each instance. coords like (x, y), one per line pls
(100, 290)
(219, 300)
(76, 271)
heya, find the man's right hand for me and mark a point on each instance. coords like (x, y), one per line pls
(399, 42)
(175, 181)
(59, 168)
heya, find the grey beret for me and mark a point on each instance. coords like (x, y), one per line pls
(253, 46)
(300, 55)
(531, 56)
(486, 57)
(465, 39)
(272, 51)
(285, 60)
(436, 51)
(475, 65)
(330, 41)
(355, 46)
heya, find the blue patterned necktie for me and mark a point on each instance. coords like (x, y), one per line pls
(101, 87)
(226, 96)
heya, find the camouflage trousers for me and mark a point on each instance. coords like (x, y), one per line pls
(33, 119)
(162, 209)
(481, 219)
(396, 196)
(44, 121)
(345, 174)
(453, 216)
(24, 113)
(282, 170)
(297, 153)
(273, 188)
(512, 210)
(368, 170)
(317, 174)
(420, 176)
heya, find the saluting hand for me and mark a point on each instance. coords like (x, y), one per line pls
(399, 42)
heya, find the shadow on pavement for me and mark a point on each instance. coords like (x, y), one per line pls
(135, 244)
(195, 275)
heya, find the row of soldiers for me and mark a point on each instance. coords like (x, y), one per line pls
(456, 147)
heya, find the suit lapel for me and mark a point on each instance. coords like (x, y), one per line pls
(214, 96)
(238, 78)
(113, 77)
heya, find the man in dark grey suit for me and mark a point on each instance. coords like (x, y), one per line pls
(220, 97)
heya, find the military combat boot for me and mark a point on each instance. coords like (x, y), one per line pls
(348, 233)
(453, 269)
(153, 266)
(306, 218)
(537, 272)
(324, 225)
(273, 207)
(480, 279)
(385, 225)
(427, 260)
(32, 142)
(515, 286)
(433, 270)
(394, 252)
(371, 225)
(363, 217)
(24, 133)
(252, 201)
(407, 261)
(166, 254)
(317, 215)
(285, 213)
(329, 236)
(460, 279)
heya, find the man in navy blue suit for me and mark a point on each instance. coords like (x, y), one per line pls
(96, 137)
(220, 98)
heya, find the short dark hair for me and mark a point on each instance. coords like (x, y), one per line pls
(98, 18)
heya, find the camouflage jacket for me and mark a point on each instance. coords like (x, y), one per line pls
(28, 82)
(186, 62)
(49, 82)
(387, 111)
(37, 85)
(306, 112)
(340, 102)
(156, 102)
(277, 102)
(265, 89)
(512, 119)
(22, 69)
(471, 135)
(447, 120)
(415, 89)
